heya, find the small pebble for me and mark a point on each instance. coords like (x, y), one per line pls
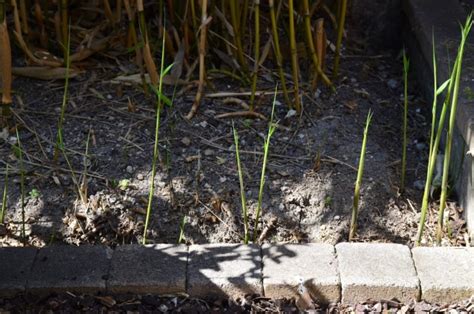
(186, 141)
(337, 217)
(419, 185)
(140, 176)
(129, 169)
(392, 83)
(208, 152)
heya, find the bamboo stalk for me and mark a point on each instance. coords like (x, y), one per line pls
(5, 62)
(24, 18)
(202, 57)
(294, 56)
(237, 35)
(340, 32)
(276, 47)
(64, 25)
(147, 56)
(256, 54)
(309, 38)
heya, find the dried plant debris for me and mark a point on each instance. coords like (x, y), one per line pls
(70, 302)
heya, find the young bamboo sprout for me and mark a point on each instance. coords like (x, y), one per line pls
(22, 188)
(266, 149)
(4, 197)
(449, 84)
(452, 121)
(360, 173)
(406, 66)
(160, 98)
(242, 188)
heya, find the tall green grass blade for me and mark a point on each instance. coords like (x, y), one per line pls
(360, 173)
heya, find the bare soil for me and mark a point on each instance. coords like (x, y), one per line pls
(310, 176)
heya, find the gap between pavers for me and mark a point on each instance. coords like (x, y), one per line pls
(224, 270)
(377, 271)
(62, 268)
(446, 273)
(15, 267)
(158, 269)
(286, 266)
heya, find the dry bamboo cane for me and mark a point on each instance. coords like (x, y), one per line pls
(276, 47)
(340, 32)
(64, 25)
(147, 56)
(5, 62)
(294, 56)
(309, 38)
(24, 18)
(202, 56)
(257, 54)
(237, 36)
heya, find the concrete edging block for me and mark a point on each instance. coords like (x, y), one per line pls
(15, 266)
(376, 271)
(285, 266)
(158, 269)
(64, 268)
(446, 273)
(224, 270)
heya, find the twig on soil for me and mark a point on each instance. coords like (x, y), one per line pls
(241, 114)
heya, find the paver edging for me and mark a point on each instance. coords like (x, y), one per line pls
(232, 270)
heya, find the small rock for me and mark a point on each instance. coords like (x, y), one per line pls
(186, 141)
(419, 185)
(420, 146)
(208, 152)
(337, 217)
(222, 179)
(203, 124)
(129, 169)
(392, 83)
(140, 176)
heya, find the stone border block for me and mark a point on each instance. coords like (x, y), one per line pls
(446, 274)
(158, 269)
(15, 267)
(224, 270)
(62, 268)
(376, 271)
(286, 266)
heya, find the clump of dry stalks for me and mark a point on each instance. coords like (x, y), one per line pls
(234, 38)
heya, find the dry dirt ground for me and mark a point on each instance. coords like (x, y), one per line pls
(311, 170)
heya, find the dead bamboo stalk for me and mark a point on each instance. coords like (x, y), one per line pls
(202, 55)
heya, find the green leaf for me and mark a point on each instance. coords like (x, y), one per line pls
(443, 86)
